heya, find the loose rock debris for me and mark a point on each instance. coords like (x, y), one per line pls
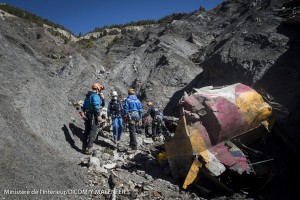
(132, 175)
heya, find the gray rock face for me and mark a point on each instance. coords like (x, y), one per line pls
(238, 41)
(34, 117)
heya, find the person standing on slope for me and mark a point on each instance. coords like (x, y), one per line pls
(92, 107)
(115, 112)
(133, 110)
(157, 119)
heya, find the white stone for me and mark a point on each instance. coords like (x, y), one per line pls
(110, 165)
(94, 161)
(101, 170)
(148, 141)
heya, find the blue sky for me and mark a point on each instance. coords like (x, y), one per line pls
(85, 15)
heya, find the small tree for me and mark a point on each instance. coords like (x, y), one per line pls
(202, 8)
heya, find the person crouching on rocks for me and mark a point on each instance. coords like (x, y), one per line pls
(92, 107)
(115, 112)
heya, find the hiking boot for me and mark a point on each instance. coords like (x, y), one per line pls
(132, 150)
(116, 144)
(88, 151)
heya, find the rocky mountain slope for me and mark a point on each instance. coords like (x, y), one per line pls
(253, 42)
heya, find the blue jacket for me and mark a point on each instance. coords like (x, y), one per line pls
(92, 103)
(132, 103)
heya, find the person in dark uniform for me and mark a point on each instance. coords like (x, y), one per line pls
(157, 119)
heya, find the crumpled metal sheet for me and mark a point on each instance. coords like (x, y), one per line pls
(210, 118)
(230, 111)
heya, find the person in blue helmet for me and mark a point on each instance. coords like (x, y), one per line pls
(92, 107)
(133, 110)
(115, 112)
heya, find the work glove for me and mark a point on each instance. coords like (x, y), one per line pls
(140, 122)
(82, 115)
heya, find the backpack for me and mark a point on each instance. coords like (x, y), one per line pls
(156, 111)
(158, 116)
(115, 107)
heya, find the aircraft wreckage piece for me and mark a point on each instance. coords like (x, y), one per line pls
(212, 119)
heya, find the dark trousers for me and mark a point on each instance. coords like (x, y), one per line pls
(90, 132)
(147, 130)
(156, 129)
(132, 132)
(146, 127)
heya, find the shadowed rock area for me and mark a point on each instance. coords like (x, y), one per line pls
(41, 76)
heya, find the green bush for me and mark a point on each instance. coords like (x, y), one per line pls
(57, 34)
(86, 43)
(114, 41)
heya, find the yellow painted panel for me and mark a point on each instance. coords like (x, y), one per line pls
(253, 107)
(192, 175)
(198, 143)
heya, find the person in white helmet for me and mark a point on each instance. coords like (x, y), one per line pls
(115, 111)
